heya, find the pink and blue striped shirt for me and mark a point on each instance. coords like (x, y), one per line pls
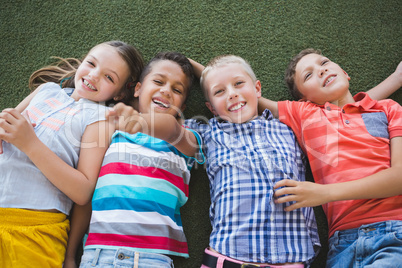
(142, 185)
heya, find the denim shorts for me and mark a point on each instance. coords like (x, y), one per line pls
(122, 258)
(372, 245)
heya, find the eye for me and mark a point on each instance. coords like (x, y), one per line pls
(324, 62)
(158, 82)
(110, 78)
(238, 83)
(217, 92)
(307, 76)
(90, 63)
(178, 91)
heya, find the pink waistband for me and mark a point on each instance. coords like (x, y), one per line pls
(221, 258)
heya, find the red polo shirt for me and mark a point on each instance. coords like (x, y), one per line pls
(344, 144)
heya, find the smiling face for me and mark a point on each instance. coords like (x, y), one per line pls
(320, 80)
(163, 89)
(232, 93)
(101, 75)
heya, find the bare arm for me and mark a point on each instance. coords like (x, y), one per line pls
(77, 184)
(385, 183)
(158, 125)
(198, 67)
(21, 107)
(264, 103)
(80, 218)
(391, 84)
(25, 102)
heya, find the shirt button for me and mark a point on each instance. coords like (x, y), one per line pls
(328, 108)
(121, 256)
(347, 121)
(257, 137)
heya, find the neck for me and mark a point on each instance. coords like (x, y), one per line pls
(346, 99)
(75, 96)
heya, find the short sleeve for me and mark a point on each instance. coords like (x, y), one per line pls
(199, 156)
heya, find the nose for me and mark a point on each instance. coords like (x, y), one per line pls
(94, 74)
(165, 90)
(322, 71)
(233, 93)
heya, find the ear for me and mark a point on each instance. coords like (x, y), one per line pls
(118, 98)
(210, 107)
(346, 75)
(258, 88)
(183, 107)
(137, 89)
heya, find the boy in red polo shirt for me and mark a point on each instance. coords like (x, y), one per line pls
(354, 146)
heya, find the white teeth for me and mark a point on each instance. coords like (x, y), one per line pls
(89, 85)
(329, 80)
(237, 107)
(161, 103)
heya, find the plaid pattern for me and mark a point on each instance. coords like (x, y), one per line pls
(244, 161)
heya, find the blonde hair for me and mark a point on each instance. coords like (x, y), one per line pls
(224, 60)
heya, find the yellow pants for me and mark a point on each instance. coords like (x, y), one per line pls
(32, 239)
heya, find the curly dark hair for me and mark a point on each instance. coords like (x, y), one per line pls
(176, 57)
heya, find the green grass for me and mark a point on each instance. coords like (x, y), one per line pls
(364, 37)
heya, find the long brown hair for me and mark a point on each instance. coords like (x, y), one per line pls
(64, 69)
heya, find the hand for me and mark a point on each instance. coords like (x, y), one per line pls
(16, 129)
(126, 118)
(304, 194)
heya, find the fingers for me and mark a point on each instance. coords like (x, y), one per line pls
(10, 119)
(128, 123)
(120, 110)
(6, 121)
(11, 112)
(125, 118)
(285, 183)
(285, 191)
(9, 116)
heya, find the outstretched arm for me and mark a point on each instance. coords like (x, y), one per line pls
(77, 184)
(391, 84)
(158, 125)
(264, 103)
(198, 67)
(385, 183)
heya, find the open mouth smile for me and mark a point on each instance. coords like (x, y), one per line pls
(236, 107)
(89, 85)
(329, 79)
(161, 103)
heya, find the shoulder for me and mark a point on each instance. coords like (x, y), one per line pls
(49, 87)
(200, 125)
(296, 110)
(296, 105)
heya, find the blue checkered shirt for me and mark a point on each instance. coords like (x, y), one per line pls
(244, 161)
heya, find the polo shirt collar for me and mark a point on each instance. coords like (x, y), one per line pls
(362, 102)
